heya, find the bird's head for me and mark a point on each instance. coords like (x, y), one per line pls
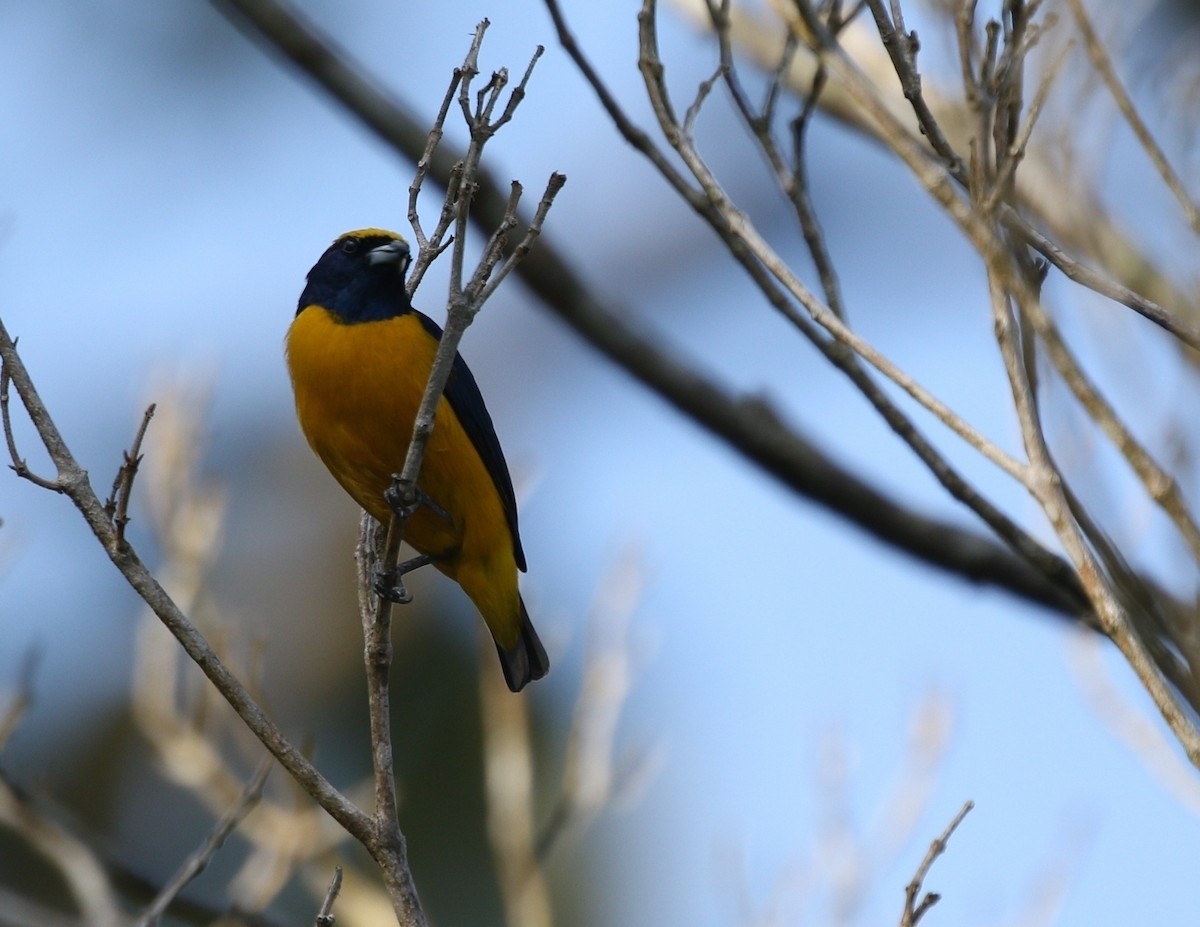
(360, 277)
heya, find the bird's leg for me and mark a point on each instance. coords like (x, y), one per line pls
(404, 499)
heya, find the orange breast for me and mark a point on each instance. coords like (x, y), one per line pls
(357, 390)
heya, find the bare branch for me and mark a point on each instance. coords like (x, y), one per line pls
(532, 233)
(463, 303)
(198, 861)
(916, 905)
(117, 504)
(414, 189)
(391, 849)
(325, 916)
(767, 269)
(1077, 223)
(1013, 283)
(1078, 272)
(518, 93)
(18, 463)
(773, 447)
(901, 47)
(74, 483)
(461, 310)
(1103, 64)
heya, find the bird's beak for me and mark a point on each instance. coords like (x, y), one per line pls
(394, 252)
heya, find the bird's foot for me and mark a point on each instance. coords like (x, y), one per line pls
(404, 499)
(389, 584)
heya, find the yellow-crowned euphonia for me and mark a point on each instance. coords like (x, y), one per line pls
(359, 357)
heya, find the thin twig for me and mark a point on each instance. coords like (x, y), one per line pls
(902, 49)
(736, 228)
(794, 185)
(414, 189)
(495, 248)
(1162, 487)
(459, 314)
(18, 464)
(325, 916)
(1005, 285)
(1089, 230)
(1090, 278)
(1013, 290)
(916, 905)
(199, 860)
(518, 93)
(391, 851)
(1102, 62)
(117, 504)
(532, 233)
(1017, 148)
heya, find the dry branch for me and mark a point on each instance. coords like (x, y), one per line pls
(746, 423)
(917, 905)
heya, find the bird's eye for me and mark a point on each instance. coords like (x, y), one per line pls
(349, 245)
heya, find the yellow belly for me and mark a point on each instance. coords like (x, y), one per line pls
(357, 389)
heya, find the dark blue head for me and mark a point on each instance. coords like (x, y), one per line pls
(360, 277)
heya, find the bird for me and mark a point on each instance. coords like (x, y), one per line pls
(359, 356)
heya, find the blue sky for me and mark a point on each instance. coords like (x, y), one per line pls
(167, 188)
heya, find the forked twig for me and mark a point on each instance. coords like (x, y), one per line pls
(917, 905)
(117, 504)
(18, 464)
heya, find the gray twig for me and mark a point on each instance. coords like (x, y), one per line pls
(325, 916)
(198, 861)
(117, 504)
(915, 904)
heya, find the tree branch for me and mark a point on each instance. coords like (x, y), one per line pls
(761, 437)
(198, 861)
(917, 905)
(73, 481)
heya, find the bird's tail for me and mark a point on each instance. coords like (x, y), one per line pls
(526, 660)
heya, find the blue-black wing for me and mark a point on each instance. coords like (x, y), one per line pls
(464, 397)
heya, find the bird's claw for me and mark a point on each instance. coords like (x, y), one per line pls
(396, 497)
(404, 500)
(389, 585)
